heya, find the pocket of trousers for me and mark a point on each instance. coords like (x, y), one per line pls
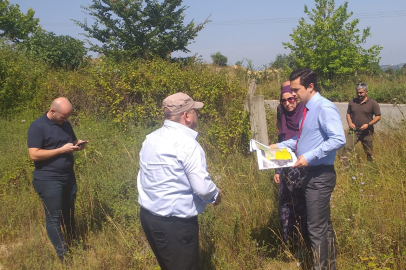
(184, 232)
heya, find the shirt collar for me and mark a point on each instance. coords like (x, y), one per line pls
(192, 133)
(312, 102)
(49, 121)
(359, 101)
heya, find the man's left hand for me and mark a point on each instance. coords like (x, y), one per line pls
(301, 162)
(364, 127)
(81, 147)
(218, 199)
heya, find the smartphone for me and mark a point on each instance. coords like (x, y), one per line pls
(81, 143)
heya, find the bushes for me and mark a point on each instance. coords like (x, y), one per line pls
(219, 59)
(130, 93)
(20, 80)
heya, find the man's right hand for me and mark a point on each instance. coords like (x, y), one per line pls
(352, 126)
(69, 147)
(38, 154)
(273, 146)
(218, 199)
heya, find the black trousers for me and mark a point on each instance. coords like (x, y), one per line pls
(174, 241)
(318, 185)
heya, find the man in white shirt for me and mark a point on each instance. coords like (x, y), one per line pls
(174, 185)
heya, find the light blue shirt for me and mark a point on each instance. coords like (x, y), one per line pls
(322, 134)
(173, 178)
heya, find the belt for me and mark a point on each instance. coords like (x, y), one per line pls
(163, 218)
(319, 168)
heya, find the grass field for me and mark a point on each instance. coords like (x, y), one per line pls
(368, 207)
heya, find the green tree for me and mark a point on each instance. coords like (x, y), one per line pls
(14, 24)
(139, 28)
(282, 61)
(390, 71)
(59, 51)
(331, 45)
(219, 59)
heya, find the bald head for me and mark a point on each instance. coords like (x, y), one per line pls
(60, 110)
(61, 105)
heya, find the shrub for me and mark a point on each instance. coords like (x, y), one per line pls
(20, 79)
(219, 59)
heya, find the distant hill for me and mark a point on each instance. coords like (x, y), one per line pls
(395, 67)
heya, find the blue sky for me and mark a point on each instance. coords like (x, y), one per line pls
(253, 29)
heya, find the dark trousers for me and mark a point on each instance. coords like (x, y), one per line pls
(58, 198)
(174, 241)
(318, 185)
(365, 137)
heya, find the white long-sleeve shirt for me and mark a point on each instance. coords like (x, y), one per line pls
(173, 178)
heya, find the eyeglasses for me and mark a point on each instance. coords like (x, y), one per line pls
(290, 100)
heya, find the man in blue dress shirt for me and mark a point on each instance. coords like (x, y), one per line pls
(320, 136)
(174, 185)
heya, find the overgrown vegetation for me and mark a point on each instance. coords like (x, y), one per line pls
(116, 103)
(242, 233)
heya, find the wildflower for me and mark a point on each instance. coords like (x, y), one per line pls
(360, 190)
(372, 195)
(353, 178)
(297, 264)
(348, 219)
(332, 206)
(362, 183)
(361, 174)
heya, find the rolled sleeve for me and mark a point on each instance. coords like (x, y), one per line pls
(199, 177)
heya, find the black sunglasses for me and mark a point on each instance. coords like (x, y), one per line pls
(290, 100)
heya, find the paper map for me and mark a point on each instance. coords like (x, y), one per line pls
(272, 158)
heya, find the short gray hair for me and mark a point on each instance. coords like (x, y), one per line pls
(169, 116)
(362, 85)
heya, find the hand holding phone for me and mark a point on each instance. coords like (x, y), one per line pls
(81, 143)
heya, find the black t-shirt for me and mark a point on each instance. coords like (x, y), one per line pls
(45, 134)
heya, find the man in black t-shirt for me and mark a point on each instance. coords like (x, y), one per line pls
(51, 142)
(362, 114)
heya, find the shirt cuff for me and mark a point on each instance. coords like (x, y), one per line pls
(215, 197)
(309, 157)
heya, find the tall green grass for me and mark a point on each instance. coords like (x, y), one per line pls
(368, 206)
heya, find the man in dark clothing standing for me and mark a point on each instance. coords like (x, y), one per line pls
(361, 121)
(51, 142)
